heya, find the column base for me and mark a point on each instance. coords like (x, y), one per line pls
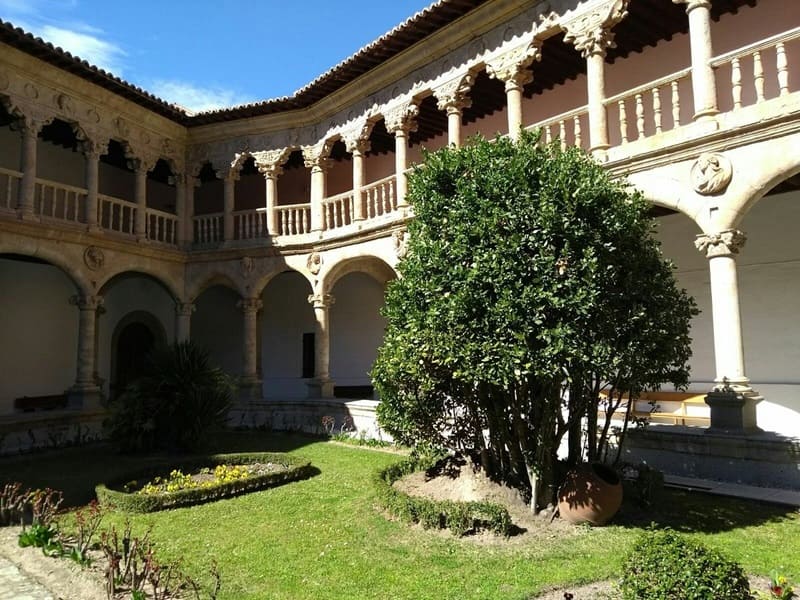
(320, 388)
(84, 396)
(250, 389)
(28, 215)
(733, 412)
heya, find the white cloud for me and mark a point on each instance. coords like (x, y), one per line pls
(195, 98)
(86, 44)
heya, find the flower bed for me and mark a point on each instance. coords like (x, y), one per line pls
(202, 479)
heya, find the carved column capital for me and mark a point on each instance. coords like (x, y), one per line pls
(453, 96)
(142, 162)
(321, 300)
(250, 305)
(184, 309)
(692, 4)
(512, 67)
(93, 148)
(316, 156)
(357, 139)
(724, 243)
(401, 118)
(270, 162)
(588, 28)
(88, 303)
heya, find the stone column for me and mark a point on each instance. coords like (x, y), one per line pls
(512, 69)
(140, 197)
(316, 159)
(269, 164)
(590, 32)
(183, 320)
(733, 401)
(92, 151)
(358, 148)
(85, 393)
(27, 188)
(704, 87)
(453, 98)
(321, 385)
(229, 200)
(187, 235)
(401, 121)
(250, 383)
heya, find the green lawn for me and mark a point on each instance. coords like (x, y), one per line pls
(325, 538)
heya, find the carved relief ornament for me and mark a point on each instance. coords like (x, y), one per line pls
(270, 162)
(454, 95)
(247, 265)
(314, 263)
(250, 305)
(589, 29)
(711, 173)
(321, 300)
(316, 155)
(401, 118)
(512, 67)
(94, 258)
(725, 243)
(83, 302)
(400, 242)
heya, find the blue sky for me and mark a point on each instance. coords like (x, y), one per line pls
(202, 54)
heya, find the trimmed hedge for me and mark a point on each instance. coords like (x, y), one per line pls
(459, 517)
(297, 468)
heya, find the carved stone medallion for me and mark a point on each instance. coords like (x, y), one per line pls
(711, 173)
(94, 258)
(314, 263)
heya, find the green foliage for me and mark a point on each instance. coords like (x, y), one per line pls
(296, 468)
(666, 566)
(529, 272)
(41, 536)
(459, 517)
(174, 405)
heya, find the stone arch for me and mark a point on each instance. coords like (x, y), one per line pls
(668, 192)
(54, 258)
(260, 284)
(374, 266)
(168, 286)
(134, 336)
(210, 280)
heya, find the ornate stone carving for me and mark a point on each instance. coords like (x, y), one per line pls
(92, 148)
(725, 243)
(321, 300)
(400, 242)
(121, 127)
(512, 67)
(316, 155)
(83, 302)
(93, 116)
(250, 305)
(403, 117)
(454, 95)
(692, 4)
(588, 27)
(65, 103)
(270, 162)
(247, 265)
(711, 173)
(357, 139)
(314, 263)
(94, 258)
(184, 309)
(31, 91)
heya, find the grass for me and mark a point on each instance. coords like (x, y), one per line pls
(325, 538)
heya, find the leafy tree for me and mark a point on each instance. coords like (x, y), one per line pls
(531, 283)
(178, 400)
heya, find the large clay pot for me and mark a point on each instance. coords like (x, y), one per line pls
(591, 494)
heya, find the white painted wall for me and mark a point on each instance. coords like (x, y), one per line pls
(286, 316)
(769, 294)
(356, 328)
(217, 325)
(123, 295)
(38, 331)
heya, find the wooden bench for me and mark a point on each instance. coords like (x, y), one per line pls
(37, 403)
(654, 405)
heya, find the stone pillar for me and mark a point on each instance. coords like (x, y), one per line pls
(250, 382)
(183, 320)
(92, 152)
(229, 200)
(453, 98)
(512, 69)
(733, 401)
(85, 393)
(27, 187)
(186, 214)
(704, 87)
(590, 32)
(269, 164)
(321, 385)
(358, 148)
(401, 121)
(140, 197)
(316, 159)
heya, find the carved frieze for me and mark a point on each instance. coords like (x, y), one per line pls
(711, 173)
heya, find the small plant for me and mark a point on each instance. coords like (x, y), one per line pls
(42, 536)
(178, 480)
(779, 589)
(664, 565)
(328, 423)
(13, 500)
(87, 522)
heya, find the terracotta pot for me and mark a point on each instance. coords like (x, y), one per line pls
(591, 494)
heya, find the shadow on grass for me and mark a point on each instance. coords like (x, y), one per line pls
(692, 511)
(76, 471)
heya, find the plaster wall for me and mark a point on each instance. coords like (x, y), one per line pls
(286, 316)
(356, 328)
(208, 197)
(217, 325)
(378, 166)
(250, 192)
(769, 292)
(294, 186)
(38, 331)
(340, 176)
(116, 182)
(125, 294)
(60, 164)
(10, 148)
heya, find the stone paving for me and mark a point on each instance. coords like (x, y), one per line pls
(15, 585)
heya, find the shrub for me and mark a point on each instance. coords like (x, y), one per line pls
(664, 565)
(174, 405)
(459, 517)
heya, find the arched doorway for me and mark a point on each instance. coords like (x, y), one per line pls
(135, 337)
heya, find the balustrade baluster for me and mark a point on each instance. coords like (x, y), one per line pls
(392, 197)
(623, 121)
(657, 108)
(562, 133)
(782, 64)
(548, 136)
(758, 76)
(676, 105)
(576, 127)
(639, 116)
(736, 83)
